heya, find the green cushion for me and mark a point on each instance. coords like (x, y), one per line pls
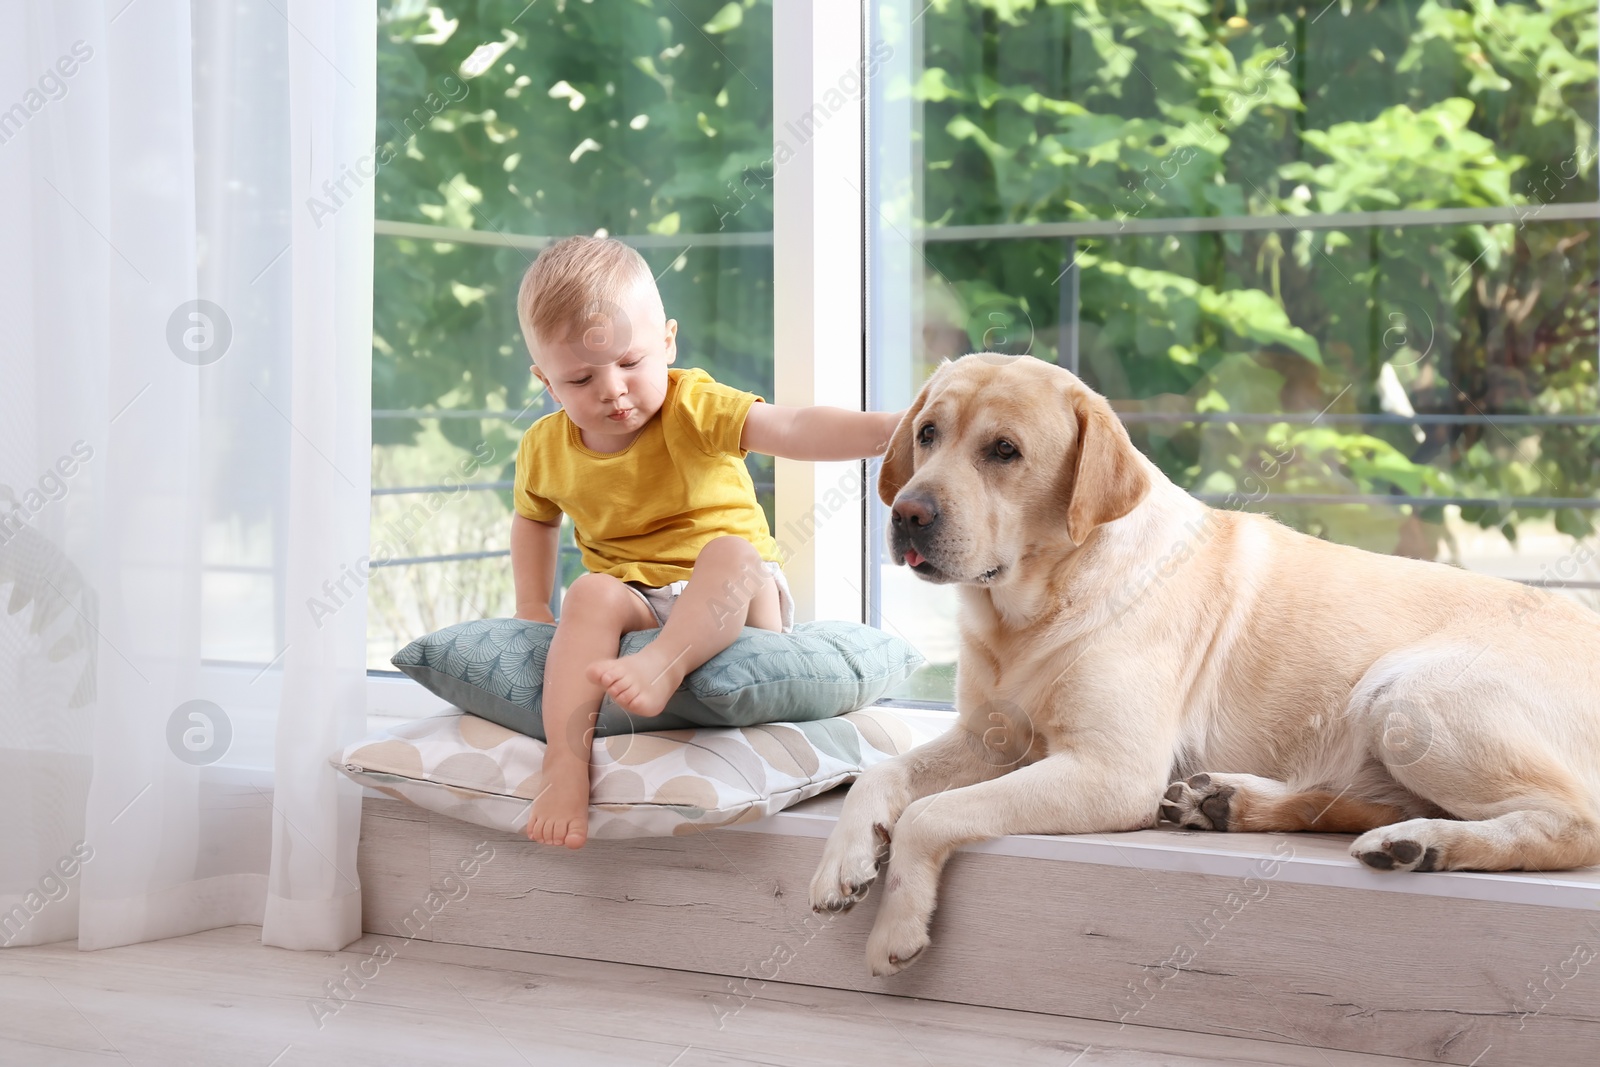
(494, 669)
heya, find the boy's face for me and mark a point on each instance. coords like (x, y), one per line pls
(611, 376)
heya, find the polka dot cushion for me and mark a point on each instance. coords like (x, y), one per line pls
(656, 784)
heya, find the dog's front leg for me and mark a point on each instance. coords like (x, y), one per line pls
(860, 841)
(1060, 794)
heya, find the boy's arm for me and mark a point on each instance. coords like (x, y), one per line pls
(817, 433)
(533, 566)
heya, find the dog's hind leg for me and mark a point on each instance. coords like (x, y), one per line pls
(1527, 840)
(1514, 806)
(1494, 751)
(859, 844)
(1248, 802)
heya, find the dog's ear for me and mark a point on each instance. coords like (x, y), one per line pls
(897, 466)
(1108, 481)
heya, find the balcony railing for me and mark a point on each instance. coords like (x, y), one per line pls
(1069, 233)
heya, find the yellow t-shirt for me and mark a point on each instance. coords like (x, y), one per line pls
(644, 514)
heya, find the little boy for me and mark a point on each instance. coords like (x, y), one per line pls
(648, 464)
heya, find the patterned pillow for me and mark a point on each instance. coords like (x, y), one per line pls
(494, 668)
(641, 785)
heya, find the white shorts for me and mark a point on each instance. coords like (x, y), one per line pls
(660, 598)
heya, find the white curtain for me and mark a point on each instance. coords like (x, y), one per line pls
(185, 341)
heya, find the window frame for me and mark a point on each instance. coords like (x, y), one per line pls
(819, 296)
(838, 302)
(819, 257)
(819, 302)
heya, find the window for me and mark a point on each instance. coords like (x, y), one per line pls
(504, 125)
(1332, 261)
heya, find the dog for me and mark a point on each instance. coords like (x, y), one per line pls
(1129, 654)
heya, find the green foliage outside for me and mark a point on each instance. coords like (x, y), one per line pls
(654, 118)
(1131, 112)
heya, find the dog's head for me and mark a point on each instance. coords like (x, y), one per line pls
(999, 458)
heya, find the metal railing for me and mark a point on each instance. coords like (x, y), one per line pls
(1068, 306)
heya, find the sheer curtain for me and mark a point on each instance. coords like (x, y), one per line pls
(185, 292)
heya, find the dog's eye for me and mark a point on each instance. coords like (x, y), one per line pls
(1004, 449)
(926, 435)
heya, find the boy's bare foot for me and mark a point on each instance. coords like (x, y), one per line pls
(560, 813)
(643, 682)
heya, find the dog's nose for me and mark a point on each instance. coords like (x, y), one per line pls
(916, 510)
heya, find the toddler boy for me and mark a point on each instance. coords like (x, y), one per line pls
(647, 461)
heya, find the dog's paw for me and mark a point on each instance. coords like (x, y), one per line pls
(910, 894)
(1198, 803)
(895, 943)
(1405, 846)
(847, 871)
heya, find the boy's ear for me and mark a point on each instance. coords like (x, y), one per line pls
(539, 374)
(672, 340)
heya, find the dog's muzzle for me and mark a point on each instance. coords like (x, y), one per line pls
(913, 519)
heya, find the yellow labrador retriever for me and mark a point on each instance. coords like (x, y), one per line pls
(1127, 651)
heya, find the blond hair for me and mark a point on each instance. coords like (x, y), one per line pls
(574, 280)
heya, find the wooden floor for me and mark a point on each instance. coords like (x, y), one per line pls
(222, 998)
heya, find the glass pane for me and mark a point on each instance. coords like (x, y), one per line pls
(511, 123)
(1049, 112)
(1164, 205)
